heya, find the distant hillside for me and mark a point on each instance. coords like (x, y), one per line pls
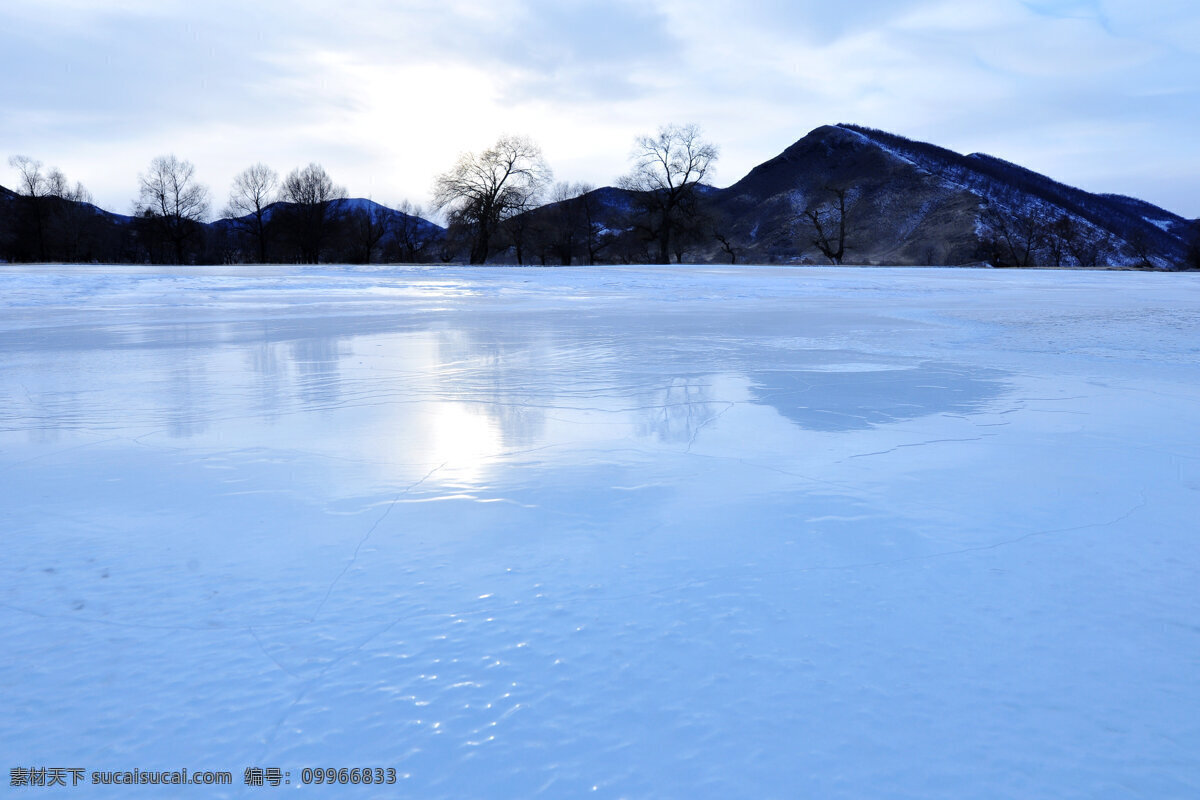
(365, 205)
(897, 212)
(1013, 190)
(357, 230)
(910, 203)
(57, 229)
(352, 205)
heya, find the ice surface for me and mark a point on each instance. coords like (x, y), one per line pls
(614, 532)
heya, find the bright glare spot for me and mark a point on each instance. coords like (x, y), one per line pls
(463, 440)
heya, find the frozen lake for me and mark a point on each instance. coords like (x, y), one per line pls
(611, 532)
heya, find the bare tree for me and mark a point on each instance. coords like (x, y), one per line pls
(517, 228)
(667, 171)
(596, 237)
(569, 228)
(411, 234)
(54, 219)
(365, 228)
(482, 190)
(1069, 241)
(253, 191)
(57, 184)
(314, 208)
(31, 182)
(828, 223)
(1058, 234)
(719, 226)
(1142, 249)
(73, 218)
(562, 224)
(32, 185)
(172, 200)
(1091, 249)
(1014, 238)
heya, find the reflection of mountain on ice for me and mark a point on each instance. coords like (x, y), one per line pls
(834, 400)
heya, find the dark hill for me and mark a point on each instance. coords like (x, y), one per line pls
(898, 212)
(907, 203)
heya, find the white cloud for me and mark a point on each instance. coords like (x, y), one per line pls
(1095, 92)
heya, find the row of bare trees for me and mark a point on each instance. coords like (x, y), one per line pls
(488, 197)
(306, 217)
(1033, 237)
(302, 217)
(1026, 237)
(298, 212)
(55, 220)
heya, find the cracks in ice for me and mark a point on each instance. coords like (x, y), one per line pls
(367, 535)
(710, 420)
(319, 676)
(267, 653)
(53, 453)
(914, 444)
(316, 679)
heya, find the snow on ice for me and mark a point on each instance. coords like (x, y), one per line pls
(618, 532)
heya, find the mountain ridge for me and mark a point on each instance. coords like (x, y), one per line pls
(906, 202)
(915, 203)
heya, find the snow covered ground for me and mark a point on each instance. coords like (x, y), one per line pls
(613, 532)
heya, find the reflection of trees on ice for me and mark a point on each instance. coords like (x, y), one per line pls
(678, 412)
(317, 362)
(268, 371)
(188, 382)
(495, 376)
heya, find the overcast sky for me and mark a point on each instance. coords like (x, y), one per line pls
(1102, 94)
